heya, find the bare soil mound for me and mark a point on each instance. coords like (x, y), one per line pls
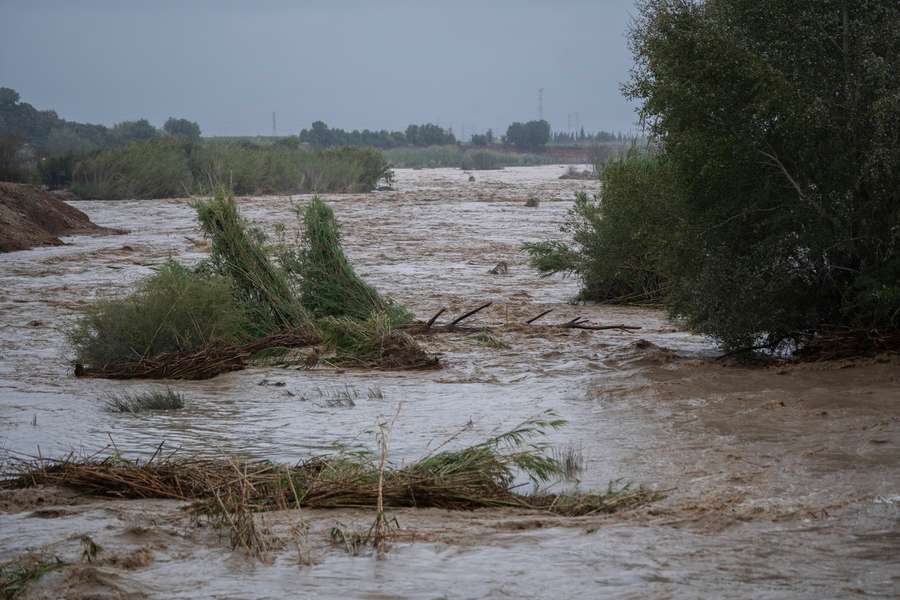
(30, 216)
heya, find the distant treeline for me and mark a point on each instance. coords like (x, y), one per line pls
(583, 137)
(322, 136)
(532, 136)
(134, 159)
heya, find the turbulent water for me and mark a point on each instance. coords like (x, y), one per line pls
(780, 482)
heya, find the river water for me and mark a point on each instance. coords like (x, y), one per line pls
(781, 482)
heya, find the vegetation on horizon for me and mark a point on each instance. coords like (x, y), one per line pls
(463, 158)
(177, 167)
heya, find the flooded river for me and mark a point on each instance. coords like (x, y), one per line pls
(781, 482)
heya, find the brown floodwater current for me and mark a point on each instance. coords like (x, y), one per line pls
(780, 482)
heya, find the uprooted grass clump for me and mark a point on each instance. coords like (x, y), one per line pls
(17, 574)
(246, 299)
(124, 402)
(487, 474)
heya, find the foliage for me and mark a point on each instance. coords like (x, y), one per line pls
(167, 399)
(140, 170)
(623, 240)
(532, 135)
(484, 474)
(778, 120)
(195, 324)
(13, 165)
(329, 286)
(130, 131)
(238, 254)
(322, 136)
(174, 310)
(16, 574)
(177, 166)
(456, 156)
(182, 128)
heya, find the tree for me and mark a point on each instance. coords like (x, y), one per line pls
(182, 128)
(8, 97)
(128, 131)
(532, 135)
(780, 121)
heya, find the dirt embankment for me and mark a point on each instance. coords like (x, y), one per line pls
(30, 216)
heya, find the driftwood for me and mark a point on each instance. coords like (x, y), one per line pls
(429, 327)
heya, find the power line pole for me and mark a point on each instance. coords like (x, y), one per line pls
(540, 104)
(274, 129)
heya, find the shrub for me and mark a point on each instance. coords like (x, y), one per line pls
(623, 240)
(174, 310)
(480, 160)
(778, 121)
(329, 286)
(155, 168)
(238, 254)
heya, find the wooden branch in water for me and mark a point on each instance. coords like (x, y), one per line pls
(434, 318)
(465, 316)
(533, 319)
(581, 325)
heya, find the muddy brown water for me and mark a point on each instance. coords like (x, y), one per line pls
(781, 482)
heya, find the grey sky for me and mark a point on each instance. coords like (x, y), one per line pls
(352, 64)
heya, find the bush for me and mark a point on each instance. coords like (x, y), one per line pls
(329, 286)
(156, 168)
(174, 310)
(623, 240)
(238, 254)
(779, 125)
(480, 160)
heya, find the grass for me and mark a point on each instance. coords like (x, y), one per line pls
(154, 400)
(17, 574)
(532, 202)
(486, 338)
(485, 474)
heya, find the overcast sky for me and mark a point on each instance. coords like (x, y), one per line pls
(353, 64)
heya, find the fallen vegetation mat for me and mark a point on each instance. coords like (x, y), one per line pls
(478, 476)
(201, 364)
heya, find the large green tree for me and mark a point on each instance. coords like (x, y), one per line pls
(780, 120)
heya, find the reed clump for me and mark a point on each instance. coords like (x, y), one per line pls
(124, 402)
(246, 298)
(487, 474)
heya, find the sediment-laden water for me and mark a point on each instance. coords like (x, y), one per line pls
(781, 482)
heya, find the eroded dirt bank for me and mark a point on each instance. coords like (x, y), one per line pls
(31, 217)
(781, 482)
